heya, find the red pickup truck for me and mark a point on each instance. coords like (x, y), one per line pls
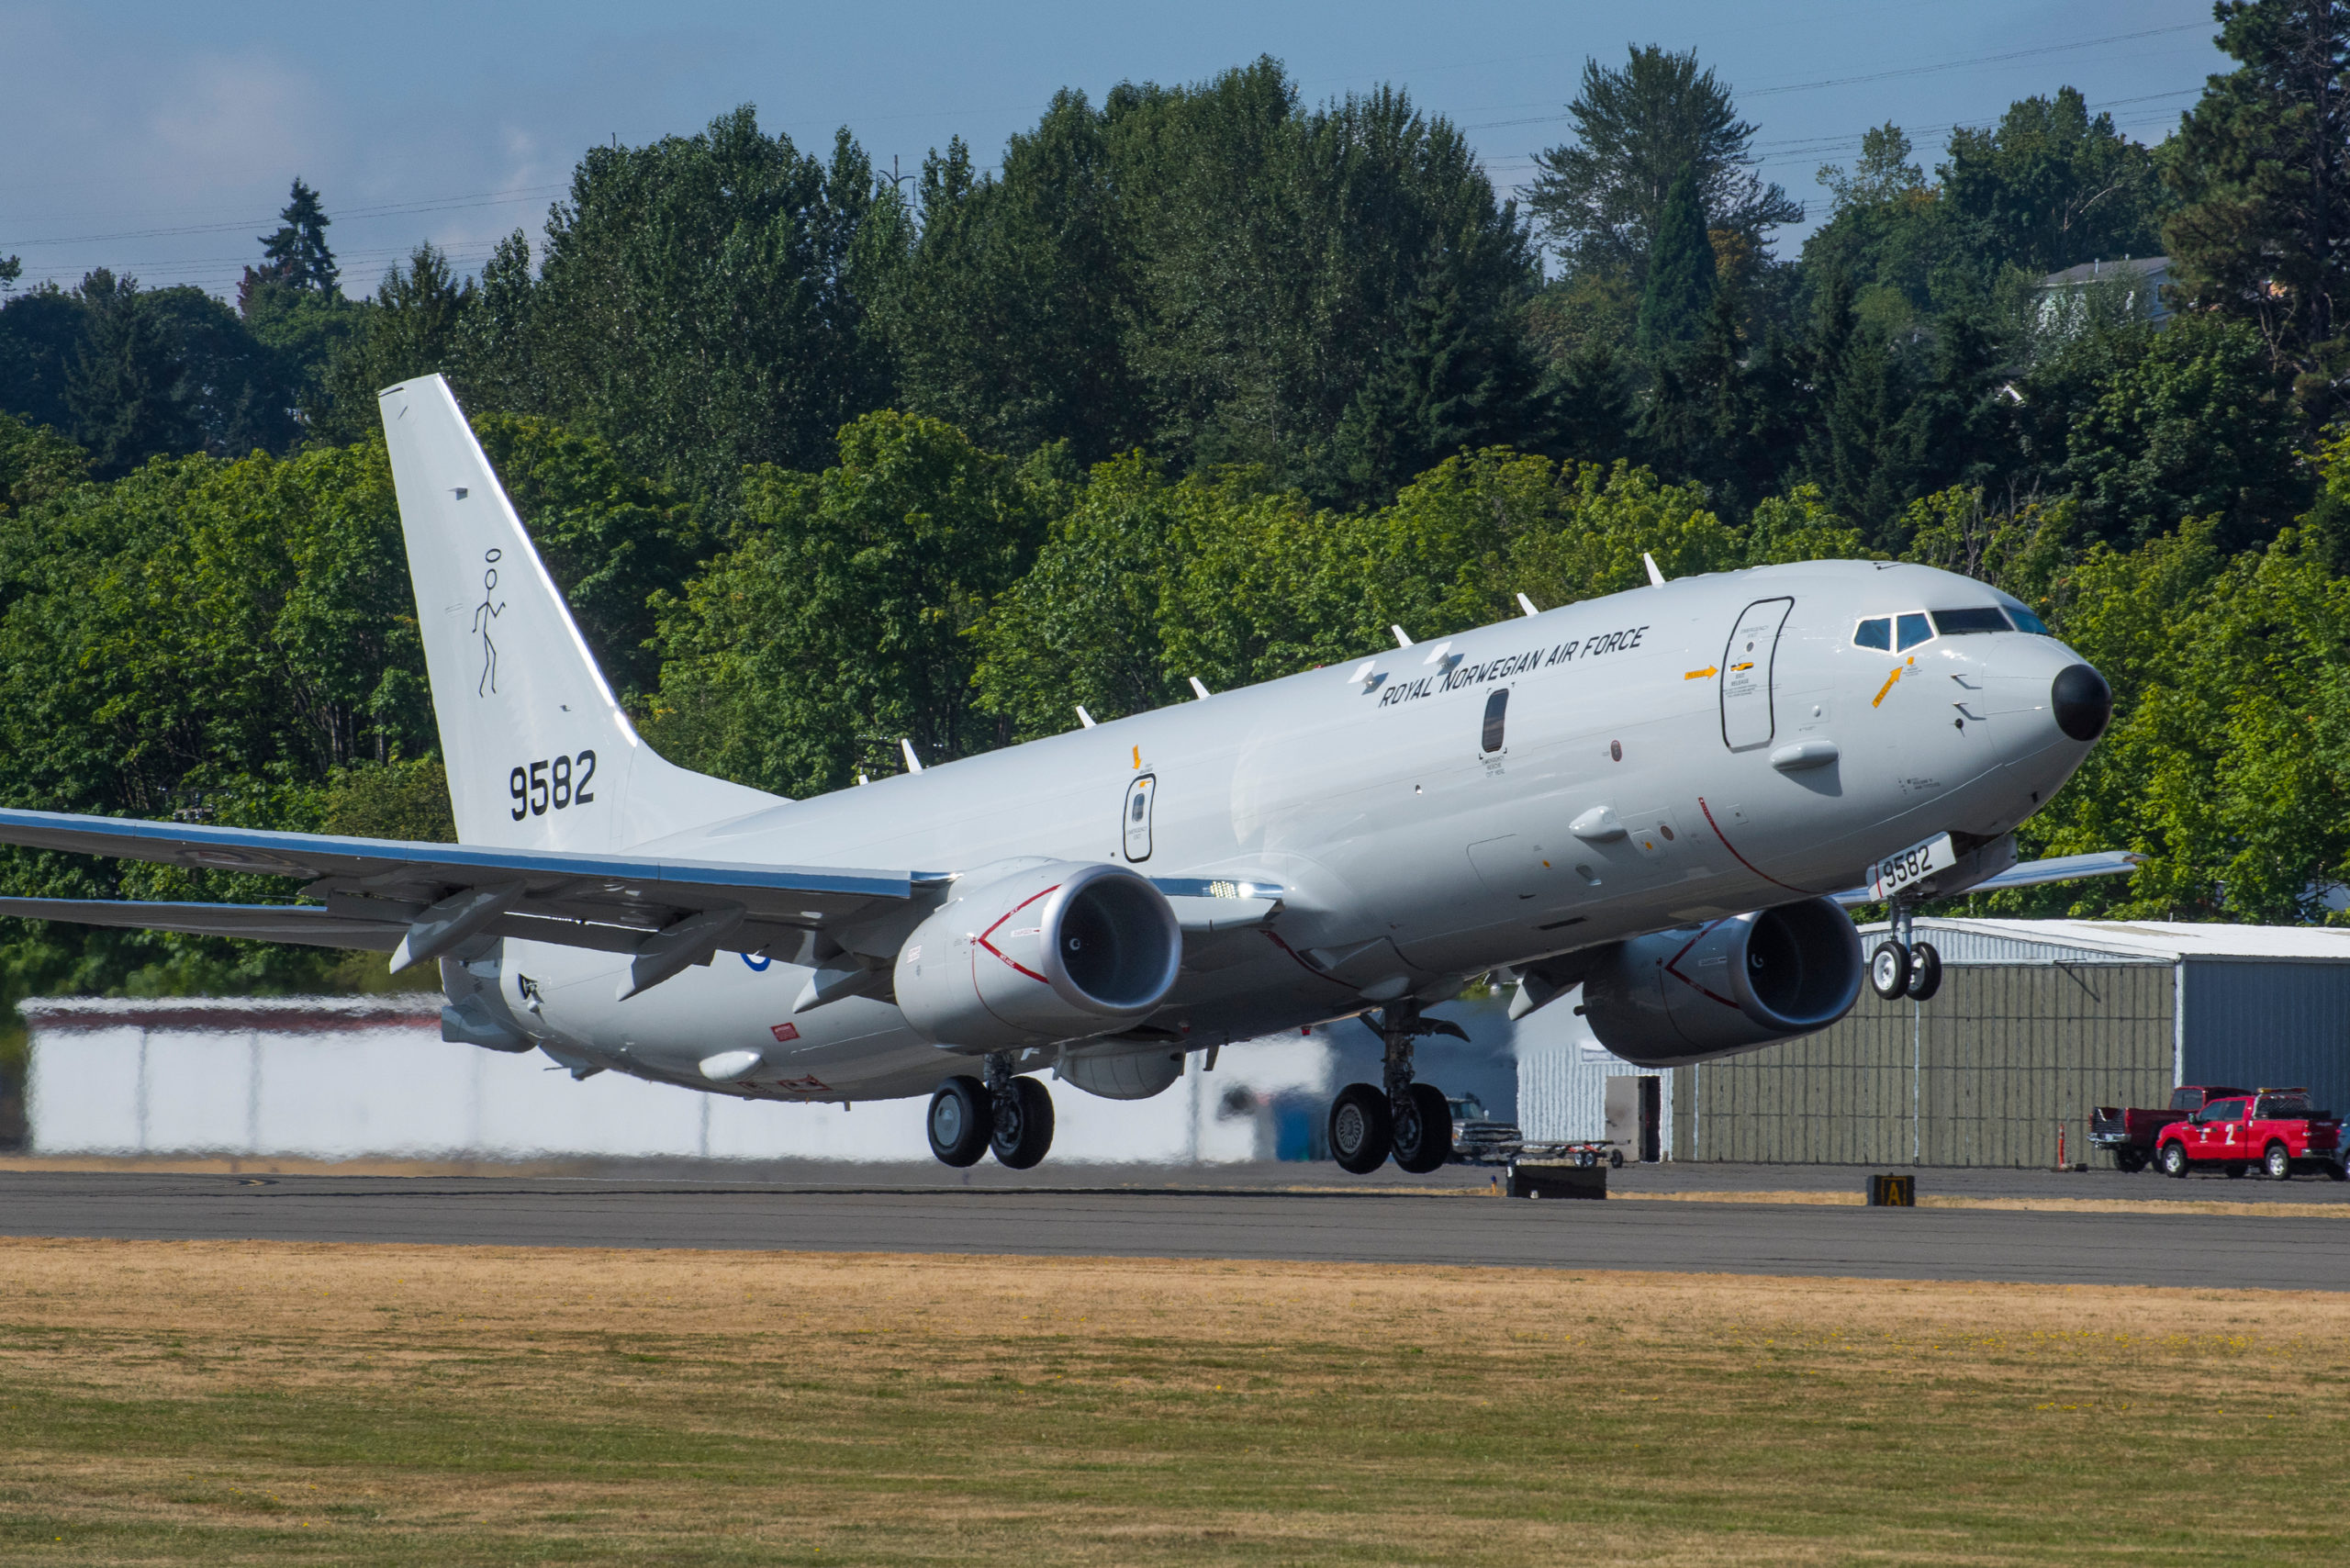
(2277, 1128)
(2128, 1134)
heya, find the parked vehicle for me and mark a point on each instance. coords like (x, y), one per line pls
(2129, 1134)
(2276, 1129)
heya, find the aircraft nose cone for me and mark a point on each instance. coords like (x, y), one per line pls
(2082, 702)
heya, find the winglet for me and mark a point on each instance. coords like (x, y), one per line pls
(1656, 579)
(1401, 639)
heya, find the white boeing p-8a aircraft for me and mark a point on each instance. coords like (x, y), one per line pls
(1655, 797)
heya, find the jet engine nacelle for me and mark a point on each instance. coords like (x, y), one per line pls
(1734, 985)
(1051, 950)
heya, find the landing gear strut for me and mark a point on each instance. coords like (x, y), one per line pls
(1408, 1120)
(968, 1116)
(1903, 967)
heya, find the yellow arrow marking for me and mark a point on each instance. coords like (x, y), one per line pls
(1889, 680)
(1701, 674)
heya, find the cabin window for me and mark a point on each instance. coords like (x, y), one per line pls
(1959, 622)
(1496, 712)
(1909, 631)
(2027, 622)
(1877, 634)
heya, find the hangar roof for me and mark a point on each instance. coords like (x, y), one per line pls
(2141, 941)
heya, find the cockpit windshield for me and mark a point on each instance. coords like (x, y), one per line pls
(1899, 633)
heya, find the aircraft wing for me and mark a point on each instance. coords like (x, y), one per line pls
(2030, 874)
(431, 898)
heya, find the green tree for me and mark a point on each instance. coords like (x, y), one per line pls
(2051, 187)
(2157, 426)
(1601, 200)
(296, 254)
(1678, 295)
(411, 328)
(611, 539)
(696, 306)
(1006, 307)
(837, 625)
(2262, 167)
(127, 390)
(36, 462)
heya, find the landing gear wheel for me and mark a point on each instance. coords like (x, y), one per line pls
(2173, 1159)
(1925, 973)
(958, 1122)
(1022, 1127)
(1889, 971)
(1423, 1129)
(2276, 1163)
(1363, 1129)
(1616, 1158)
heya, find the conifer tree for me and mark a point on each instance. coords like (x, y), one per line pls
(297, 255)
(1679, 297)
(2263, 163)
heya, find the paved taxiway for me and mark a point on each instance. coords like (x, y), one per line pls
(1197, 1219)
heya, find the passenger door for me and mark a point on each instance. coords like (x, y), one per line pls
(1136, 816)
(1747, 718)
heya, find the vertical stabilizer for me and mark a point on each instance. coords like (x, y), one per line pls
(540, 754)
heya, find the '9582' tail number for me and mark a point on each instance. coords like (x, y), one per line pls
(541, 787)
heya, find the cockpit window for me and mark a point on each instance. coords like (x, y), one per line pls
(1912, 630)
(2027, 622)
(1958, 622)
(1877, 634)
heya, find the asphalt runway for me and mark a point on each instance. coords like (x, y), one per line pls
(1428, 1225)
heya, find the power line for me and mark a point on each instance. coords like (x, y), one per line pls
(1886, 76)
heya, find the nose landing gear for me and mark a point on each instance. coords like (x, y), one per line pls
(1012, 1116)
(1903, 967)
(1402, 1118)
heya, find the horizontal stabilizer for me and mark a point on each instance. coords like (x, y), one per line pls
(2032, 874)
(307, 925)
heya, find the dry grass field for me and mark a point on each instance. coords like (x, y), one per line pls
(231, 1403)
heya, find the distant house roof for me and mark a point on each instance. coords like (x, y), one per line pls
(2098, 271)
(237, 1015)
(2140, 941)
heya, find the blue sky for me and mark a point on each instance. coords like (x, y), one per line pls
(160, 139)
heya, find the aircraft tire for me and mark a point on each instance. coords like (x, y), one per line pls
(958, 1122)
(1023, 1124)
(1889, 971)
(1925, 973)
(1423, 1135)
(1363, 1129)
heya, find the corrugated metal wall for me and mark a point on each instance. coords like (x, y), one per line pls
(1562, 1093)
(1979, 1076)
(2261, 1025)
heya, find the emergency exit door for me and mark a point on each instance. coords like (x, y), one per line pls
(1747, 719)
(1138, 816)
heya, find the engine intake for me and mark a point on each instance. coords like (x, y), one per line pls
(1734, 985)
(1054, 951)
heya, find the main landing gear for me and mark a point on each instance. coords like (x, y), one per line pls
(1408, 1120)
(968, 1116)
(1903, 967)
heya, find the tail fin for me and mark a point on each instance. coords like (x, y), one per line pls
(539, 756)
